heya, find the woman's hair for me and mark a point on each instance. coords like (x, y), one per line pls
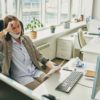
(8, 19)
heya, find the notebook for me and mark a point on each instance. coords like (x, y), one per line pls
(90, 73)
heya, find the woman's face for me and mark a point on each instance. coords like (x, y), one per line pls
(15, 27)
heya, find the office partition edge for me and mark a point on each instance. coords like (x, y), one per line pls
(17, 86)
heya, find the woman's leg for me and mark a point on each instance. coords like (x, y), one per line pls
(33, 85)
(36, 82)
(41, 78)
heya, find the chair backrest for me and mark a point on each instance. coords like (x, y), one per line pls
(81, 38)
(1, 25)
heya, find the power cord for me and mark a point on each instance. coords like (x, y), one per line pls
(84, 85)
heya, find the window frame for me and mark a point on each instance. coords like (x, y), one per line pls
(43, 10)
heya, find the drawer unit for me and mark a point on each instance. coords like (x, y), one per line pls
(65, 47)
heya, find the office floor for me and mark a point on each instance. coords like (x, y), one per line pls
(58, 60)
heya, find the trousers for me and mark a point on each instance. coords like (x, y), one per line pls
(37, 81)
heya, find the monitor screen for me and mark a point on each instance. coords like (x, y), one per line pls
(96, 84)
(11, 90)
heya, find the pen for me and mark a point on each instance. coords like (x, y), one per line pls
(67, 69)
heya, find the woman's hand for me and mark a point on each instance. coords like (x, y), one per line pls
(52, 69)
(9, 27)
(13, 27)
(51, 65)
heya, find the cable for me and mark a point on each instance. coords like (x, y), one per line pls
(85, 85)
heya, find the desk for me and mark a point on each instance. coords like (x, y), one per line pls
(91, 50)
(79, 92)
(60, 31)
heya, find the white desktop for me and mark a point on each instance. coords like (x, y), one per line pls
(91, 50)
(82, 90)
(93, 26)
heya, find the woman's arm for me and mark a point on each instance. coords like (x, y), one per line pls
(44, 60)
(1, 50)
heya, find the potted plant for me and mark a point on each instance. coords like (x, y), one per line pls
(52, 28)
(32, 26)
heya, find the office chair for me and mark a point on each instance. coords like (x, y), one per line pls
(1, 28)
(1, 25)
(81, 38)
(79, 42)
(82, 42)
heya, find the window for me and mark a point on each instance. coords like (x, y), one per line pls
(7, 7)
(30, 9)
(51, 12)
(11, 7)
(75, 8)
(81, 7)
(0, 9)
(87, 7)
(65, 10)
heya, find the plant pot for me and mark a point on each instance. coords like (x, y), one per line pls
(33, 34)
(67, 25)
(52, 29)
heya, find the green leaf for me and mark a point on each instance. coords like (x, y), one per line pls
(34, 23)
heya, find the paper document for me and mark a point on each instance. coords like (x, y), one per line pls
(55, 69)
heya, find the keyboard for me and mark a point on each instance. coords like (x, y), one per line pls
(69, 82)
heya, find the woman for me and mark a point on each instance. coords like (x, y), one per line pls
(21, 61)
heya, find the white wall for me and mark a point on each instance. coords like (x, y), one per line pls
(96, 11)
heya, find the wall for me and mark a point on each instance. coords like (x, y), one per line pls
(96, 11)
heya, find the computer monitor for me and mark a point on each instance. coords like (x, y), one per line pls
(96, 84)
(11, 90)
